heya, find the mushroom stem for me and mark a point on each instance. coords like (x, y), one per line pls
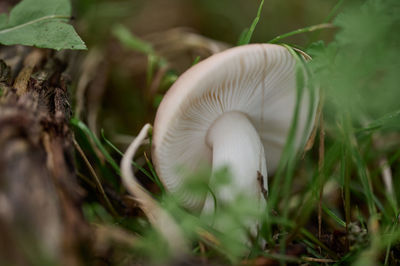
(236, 144)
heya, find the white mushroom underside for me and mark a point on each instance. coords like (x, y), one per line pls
(185, 115)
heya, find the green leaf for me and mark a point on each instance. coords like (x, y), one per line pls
(246, 35)
(40, 23)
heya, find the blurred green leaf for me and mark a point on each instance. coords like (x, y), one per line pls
(196, 60)
(94, 212)
(126, 37)
(157, 100)
(41, 23)
(129, 40)
(358, 71)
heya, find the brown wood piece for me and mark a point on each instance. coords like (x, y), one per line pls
(40, 200)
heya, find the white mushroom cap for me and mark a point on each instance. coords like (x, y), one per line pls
(256, 80)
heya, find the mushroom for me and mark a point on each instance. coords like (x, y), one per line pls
(233, 109)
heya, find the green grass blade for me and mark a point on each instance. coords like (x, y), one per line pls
(79, 124)
(334, 11)
(352, 146)
(386, 120)
(155, 176)
(302, 30)
(333, 216)
(144, 171)
(246, 35)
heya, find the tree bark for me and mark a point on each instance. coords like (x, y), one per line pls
(40, 200)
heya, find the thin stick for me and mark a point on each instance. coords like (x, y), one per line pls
(96, 178)
(155, 84)
(386, 171)
(158, 217)
(203, 253)
(321, 154)
(387, 175)
(310, 259)
(86, 179)
(260, 180)
(31, 61)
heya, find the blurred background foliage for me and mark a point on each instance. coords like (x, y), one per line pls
(163, 24)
